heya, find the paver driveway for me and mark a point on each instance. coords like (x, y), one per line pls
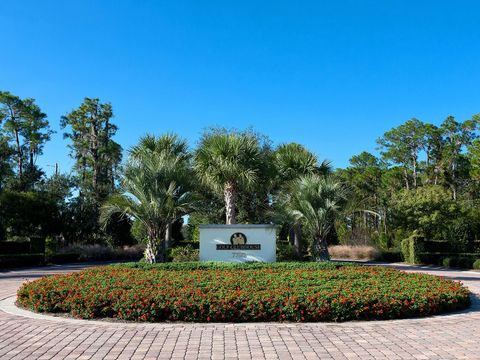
(28, 336)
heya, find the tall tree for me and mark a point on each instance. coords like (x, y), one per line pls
(402, 146)
(27, 127)
(457, 136)
(366, 210)
(36, 130)
(12, 116)
(474, 156)
(294, 160)
(6, 153)
(434, 146)
(97, 155)
(228, 162)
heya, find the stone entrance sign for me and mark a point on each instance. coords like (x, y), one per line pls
(238, 243)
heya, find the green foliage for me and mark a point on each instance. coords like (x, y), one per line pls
(285, 252)
(459, 262)
(294, 160)
(402, 146)
(183, 254)
(412, 247)
(51, 246)
(155, 190)
(139, 232)
(28, 213)
(476, 265)
(384, 241)
(427, 209)
(314, 201)
(244, 294)
(23, 135)
(231, 163)
(460, 235)
(90, 129)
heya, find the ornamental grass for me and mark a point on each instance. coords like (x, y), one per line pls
(243, 293)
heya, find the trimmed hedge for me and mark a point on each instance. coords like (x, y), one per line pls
(249, 292)
(460, 260)
(63, 258)
(445, 246)
(476, 264)
(21, 260)
(411, 249)
(391, 256)
(14, 247)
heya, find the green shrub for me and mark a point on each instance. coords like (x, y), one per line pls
(459, 262)
(411, 249)
(391, 256)
(464, 260)
(447, 262)
(287, 292)
(405, 246)
(51, 246)
(183, 254)
(384, 241)
(476, 265)
(285, 252)
(139, 232)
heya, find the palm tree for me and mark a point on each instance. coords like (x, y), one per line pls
(314, 201)
(155, 190)
(228, 162)
(292, 161)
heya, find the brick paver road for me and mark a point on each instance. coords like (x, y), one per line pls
(28, 336)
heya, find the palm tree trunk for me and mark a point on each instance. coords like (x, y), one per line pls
(155, 251)
(168, 236)
(291, 235)
(230, 197)
(320, 249)
(298, 241)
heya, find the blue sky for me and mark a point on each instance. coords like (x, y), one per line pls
(332, 75)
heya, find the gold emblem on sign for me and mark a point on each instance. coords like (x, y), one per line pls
(238, 239)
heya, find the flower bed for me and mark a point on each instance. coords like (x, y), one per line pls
(217, 293)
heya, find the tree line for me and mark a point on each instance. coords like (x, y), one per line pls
(425, 180)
